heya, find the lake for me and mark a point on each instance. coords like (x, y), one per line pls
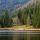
(19, 35)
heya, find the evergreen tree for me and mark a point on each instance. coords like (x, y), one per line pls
(6, 22)
(36, 16)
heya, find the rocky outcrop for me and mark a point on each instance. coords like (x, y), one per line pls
(16, 21)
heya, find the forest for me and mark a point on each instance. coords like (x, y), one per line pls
(29, 15)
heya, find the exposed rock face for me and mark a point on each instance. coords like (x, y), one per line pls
(29, 4)
(16, 21)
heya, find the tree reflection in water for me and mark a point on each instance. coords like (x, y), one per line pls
(19, 36)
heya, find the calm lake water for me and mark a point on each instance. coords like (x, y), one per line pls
(19, 35)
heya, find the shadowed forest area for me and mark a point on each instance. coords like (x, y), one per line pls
(29, 15)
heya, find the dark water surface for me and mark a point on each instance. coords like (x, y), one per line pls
(19, 35)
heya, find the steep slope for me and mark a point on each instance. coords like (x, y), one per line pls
(28, 4)
(11, 5)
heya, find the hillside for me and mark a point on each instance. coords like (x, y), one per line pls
(28, 14)
(11, 5)
(30, 3)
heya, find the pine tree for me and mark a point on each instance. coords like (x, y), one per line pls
(6, 22)
(36, 16)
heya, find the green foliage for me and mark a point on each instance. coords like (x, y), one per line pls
(19, 14)
(15, 13)
(36, 16)
(6, 21)
(22, 15)
(33, 12)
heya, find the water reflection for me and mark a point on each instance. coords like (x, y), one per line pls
(15, 35)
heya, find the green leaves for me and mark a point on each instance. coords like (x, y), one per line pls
(22, 15)
(36, 16)
(6, 21)
(33, 12)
